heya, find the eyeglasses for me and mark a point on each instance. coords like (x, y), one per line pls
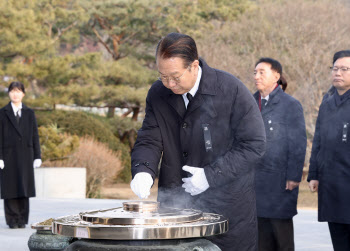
(166, 79)
(342, 69)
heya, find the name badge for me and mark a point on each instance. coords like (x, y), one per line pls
(207, 137)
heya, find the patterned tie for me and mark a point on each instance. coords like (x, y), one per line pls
(263, 104)
(17, 117)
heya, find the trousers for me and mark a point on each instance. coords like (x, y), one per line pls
(16, 211)
(275, 234)
(340, 235)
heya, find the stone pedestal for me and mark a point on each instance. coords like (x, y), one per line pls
(44, 240)
(149, 245)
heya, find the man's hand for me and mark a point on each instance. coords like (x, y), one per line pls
(2, 164)
(37, 163)
(313, 185)
(290, 185)
(141, 185)
(196, 184)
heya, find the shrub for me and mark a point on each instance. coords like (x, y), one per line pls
(56, 145)
(125, 129)
(101, 163)
(84, 124)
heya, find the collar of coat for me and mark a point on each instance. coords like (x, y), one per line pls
(10, 114)
(274, 96)
(206, 85)
(333, 99)
(207, 89)
(8, 107)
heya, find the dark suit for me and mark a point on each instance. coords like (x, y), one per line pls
(19, 146)
(224, 107)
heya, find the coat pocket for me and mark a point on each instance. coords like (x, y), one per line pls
(269, 181)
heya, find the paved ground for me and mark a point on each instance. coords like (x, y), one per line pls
(310, 235)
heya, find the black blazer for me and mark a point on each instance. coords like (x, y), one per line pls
(19, 146)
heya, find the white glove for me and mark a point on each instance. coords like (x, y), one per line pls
(141, 185)
(2, 164)
(196, 184)
(37, 163)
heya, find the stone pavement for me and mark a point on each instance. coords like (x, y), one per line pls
(310, 235)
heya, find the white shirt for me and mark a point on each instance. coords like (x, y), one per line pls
(267, 98)
(15, 109)
(194, 89)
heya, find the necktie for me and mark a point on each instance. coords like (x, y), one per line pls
(17, 117)
(189, 97)
(263, 104)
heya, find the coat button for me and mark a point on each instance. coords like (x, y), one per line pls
(146, 163)
(271, 129)
(184, 125)
(185, 154)
(269, 121)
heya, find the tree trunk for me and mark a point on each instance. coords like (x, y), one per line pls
(34, 87)
(132, 136)
(127, 113)
(135, 114)
(111, 111)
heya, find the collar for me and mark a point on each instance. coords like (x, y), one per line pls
(208, 82)
(339, 99)
(15, 108)
(194, 89)
(266, 98)
(273, 93)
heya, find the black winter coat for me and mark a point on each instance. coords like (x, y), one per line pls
(284, 157)
(330, 159)
(237, 141)
(19, 146)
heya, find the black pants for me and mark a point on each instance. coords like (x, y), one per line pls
(340, 234)
(16, 211)
(275, 234)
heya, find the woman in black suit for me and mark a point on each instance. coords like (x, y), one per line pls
(19, 153)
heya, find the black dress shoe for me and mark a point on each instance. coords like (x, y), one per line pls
(21, 225)
(13, 226)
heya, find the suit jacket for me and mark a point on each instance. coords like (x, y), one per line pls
(19, 146)
(222, 132)
(284, 157)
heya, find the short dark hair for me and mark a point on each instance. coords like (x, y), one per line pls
(276, 66)
(341, 54)
(178, 45)
(16, 85)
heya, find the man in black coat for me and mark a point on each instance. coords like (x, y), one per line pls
(329, 171)
(19, 153)
(279, 173)
(205, 126)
